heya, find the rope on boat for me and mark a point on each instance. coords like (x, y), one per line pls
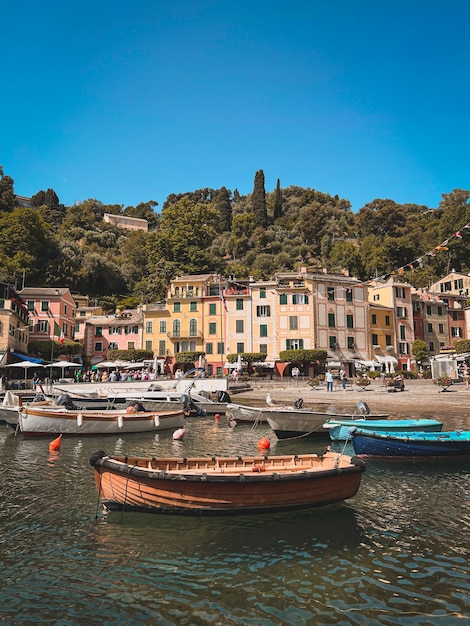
(99, 494)
(125, 493)
(257, 420)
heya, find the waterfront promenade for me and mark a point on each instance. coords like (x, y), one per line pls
(420, 397)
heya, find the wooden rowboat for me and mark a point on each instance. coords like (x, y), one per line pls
(225, 485)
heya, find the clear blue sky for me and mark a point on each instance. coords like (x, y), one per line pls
(129, 102)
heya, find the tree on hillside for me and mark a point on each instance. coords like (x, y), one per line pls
(277, 201)
(223, 206)
(27, 246)
(258, 200)
(7, 195)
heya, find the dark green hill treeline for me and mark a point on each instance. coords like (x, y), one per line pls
(215, 230)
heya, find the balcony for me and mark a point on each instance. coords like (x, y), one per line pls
(185, 335)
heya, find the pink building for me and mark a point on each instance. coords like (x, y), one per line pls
(48, 306)
(122, 331)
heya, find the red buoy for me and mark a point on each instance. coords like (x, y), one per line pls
(264, 443)
(55, 444)
(217, 417)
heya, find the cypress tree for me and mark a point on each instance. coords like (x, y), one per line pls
(277, 201)
(224, 208)
(258, 200)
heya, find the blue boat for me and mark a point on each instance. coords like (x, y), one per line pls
(413, 444)
(340, 430)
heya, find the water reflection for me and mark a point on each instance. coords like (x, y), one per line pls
(397, 553)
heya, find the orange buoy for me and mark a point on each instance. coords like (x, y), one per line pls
(264, 443)
(55, 444)
(217, 417)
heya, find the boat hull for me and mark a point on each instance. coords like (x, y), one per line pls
(340, 430)
(41, 422)
(225, 486)
(441, 444)
(309, 424)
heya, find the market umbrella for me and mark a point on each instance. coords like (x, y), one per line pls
(26, 365)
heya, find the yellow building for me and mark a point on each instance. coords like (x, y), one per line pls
(397, 296)
(382, 336)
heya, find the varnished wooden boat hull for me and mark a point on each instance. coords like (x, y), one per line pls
(225, 485)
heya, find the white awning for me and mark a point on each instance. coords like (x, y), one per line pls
(386, 359)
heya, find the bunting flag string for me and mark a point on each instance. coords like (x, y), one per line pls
(419, 262)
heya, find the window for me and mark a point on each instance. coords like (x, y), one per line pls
(30, 305)
(282, 298)
(239, 326)
(375, 339)
(212, 309)
(331, 293)
(350, 321)
(351, 344)
(402, 332)
(456, 331)
(454, 315)
(176, 328)
(331, 320)
(401, 311)
(263, 330)
(176, 307)
(212, 328)
(428, 310)
(148, 345)
(131, 345)
(98, 346)
(163, 327)
(399, 292)
(209, 348)
(299, 298)
(388, 340)
(293, 322)
(239, 304)
(294, 344)
(349, 295)
(439, 310)
(240, 347)
(446, 286)
(431, 346)
(162, 347)
(220, 347)
(99, 331)
(403, 348)
(376, 297)
(45, 305)
(115, 330)
(43, 326)
(458, 284)
(193, 306)
(262, 292)
(429, 328)
(387, 320)
(332, 342)
(193, 327)
(263, 348)
(374, 318)
(441, 329)
(149, 327)
(113, 345)
(263, 310)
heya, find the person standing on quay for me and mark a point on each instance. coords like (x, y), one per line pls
(329, 381)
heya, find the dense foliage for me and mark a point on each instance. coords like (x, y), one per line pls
(215, 230)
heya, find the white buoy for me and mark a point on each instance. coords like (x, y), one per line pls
(120, 421)
(178, 434)
(79, 420)
(156, 421)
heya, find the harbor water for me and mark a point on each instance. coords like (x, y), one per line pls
(397, 553)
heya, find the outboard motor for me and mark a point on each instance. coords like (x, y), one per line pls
(363, 408)
(222, 396)
(299, 403)
(66, 401)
